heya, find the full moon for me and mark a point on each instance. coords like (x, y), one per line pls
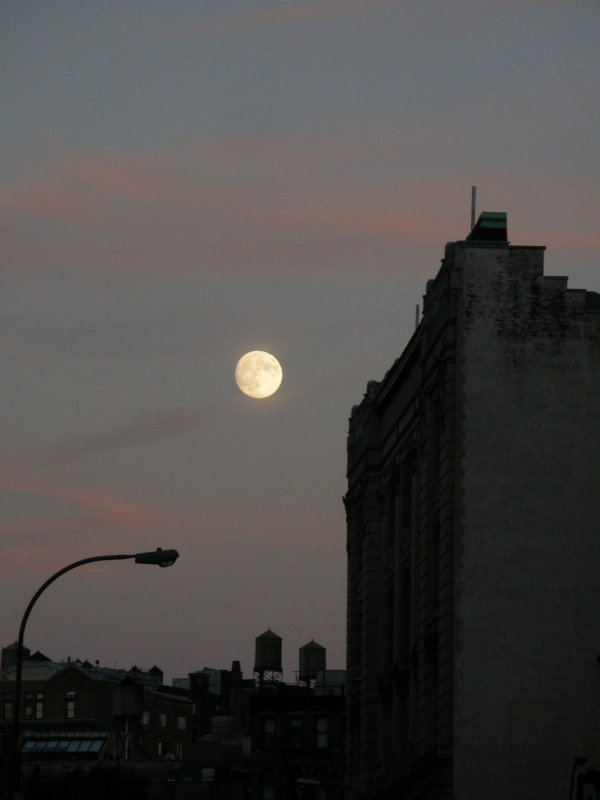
(258, 374)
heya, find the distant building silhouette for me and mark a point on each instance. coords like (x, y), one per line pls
(473, 510)
(78, 714)
(212, 734)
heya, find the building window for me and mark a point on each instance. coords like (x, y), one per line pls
(179, 750)
(390, 619)
(221, 726)
(70, 705)
(145, 718)
(28, 705)
(296, 732)
(269, 724)
(268, 732)
(38, 712)
(162, 720)
(8, 706)
(159, 749)
(181, 723)
(392, 510)
(268, 792)
(405, 614)
(408, 491)
(322, 733)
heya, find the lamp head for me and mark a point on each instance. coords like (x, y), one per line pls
(163, 558)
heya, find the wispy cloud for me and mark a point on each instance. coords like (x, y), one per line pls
(116, 177)
(82, 188)
(152, 428)
(352, 220)
(83, 507)
(298, 12)
(48, 201)
(171, 214)
(221, 208)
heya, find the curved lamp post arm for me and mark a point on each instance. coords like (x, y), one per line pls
(50, 580)
(162, 558)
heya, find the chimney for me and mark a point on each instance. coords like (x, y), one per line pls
(9, 655)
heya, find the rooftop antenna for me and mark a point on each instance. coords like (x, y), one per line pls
(473, 199)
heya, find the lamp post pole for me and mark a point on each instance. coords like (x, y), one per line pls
(162, 558)
(578, 761)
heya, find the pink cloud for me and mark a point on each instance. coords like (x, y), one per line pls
(33, 542)
(220, 208)
(115, 176)
(352, 221)
(80, 188)
(50, 202)
(88, 507)
(577, 243)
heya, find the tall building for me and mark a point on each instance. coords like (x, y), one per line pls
(473, 511)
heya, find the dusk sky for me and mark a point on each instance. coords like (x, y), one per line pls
(182, 181)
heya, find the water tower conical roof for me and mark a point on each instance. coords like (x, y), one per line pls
(314, 645)
(268, 634)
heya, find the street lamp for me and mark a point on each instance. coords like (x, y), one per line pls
(162, 558)
(311, 782)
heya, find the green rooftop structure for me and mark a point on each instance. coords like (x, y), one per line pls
(490, 227)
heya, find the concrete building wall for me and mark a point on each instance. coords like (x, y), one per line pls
(527, 620)
(474, 540)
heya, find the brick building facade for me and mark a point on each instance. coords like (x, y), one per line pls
(77, 714)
